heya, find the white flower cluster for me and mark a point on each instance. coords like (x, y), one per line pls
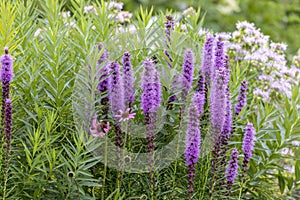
(248, 44)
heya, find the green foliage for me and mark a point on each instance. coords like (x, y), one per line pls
(53, 159)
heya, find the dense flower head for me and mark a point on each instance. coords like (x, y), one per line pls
(242, 100)
(128, 86)
(116, 93)
(232, 168)
(169, 26)
(6, 70)
(151, 95)
(187, 72)
(227, 127)
(218, 101)
(193, 134)
(249, 44)
(248, 143)
(207, 58)
(219, 55)
(200, 94)
(193, 139)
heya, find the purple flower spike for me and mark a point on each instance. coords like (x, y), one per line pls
(219, 61)
(227, 128)
(6, 70)
(187, 72)
(193, 139)
(232, 169)
(242, 100)
(151, 88)
(8, 128)
(207, 59)
(6, 77)
(169, 26)
(127, 80)
(116, 93)
(104, 55)
(218, 102)
(248, 144)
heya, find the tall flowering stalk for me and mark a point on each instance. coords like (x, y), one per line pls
(8, 128)
(128, 87)
(232, 170)
(103, 85)
(169, 26)
(151, 98)
(170, 60)
(116, 103)
(6, 77)
(242, 100)
(218, 106)
(207, 59)
(193, 138)
(201, 93)
(248, 144)
(187, 72)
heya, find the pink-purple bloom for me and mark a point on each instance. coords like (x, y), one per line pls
(8, 128)
(232, 169)
(242, 100)
(207, 58)
(125, 115)
(169, 26)
(193, 138)
(187, 72)
(127, 78)
(116, 93)
(248, 144)
(99, 129)
(151, 95)
(6, 77)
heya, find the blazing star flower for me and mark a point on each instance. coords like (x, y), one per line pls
(125, 115)
(99, 129)
(127, 78)
(242, 101)
(207, 58)
(248, 144)
(232, 169)
(187, 72)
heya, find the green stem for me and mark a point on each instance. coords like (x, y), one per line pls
(105, 169)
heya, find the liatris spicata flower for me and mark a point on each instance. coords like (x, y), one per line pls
(220, 60)
(207, 59)
(187, 72)
(248, 144)
(116, 94)
(104, 54)
(128, 87)
(6, 77)
(232, 169)
(169, 25)
(8, 128)
(201, 93)
(242, 100)
(151, 98)
(193, 138)
(218, 102)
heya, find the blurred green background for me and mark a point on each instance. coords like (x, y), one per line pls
(278, 18)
